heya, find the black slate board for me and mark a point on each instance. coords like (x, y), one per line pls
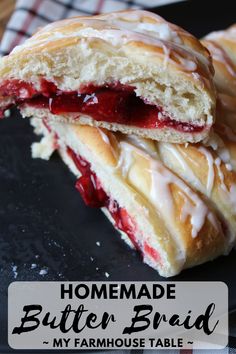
(43, 220)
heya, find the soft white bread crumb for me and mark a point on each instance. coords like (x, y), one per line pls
(44, 148)
(167, 66)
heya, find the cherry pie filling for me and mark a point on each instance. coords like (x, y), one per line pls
(94, 195)
(113, 103)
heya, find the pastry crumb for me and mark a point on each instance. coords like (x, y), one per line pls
(7, 113)
(14, 270)
(43, 271)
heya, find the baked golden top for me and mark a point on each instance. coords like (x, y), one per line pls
(135, 31)
(135, 28)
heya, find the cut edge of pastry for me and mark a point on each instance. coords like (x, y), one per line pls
(174, 73)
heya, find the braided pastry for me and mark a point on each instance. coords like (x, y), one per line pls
(128, 71)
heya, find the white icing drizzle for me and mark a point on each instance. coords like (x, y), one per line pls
(133, 15)
(119, 29)
(211, 173)
(146, 145)
(115, 32)
(229, 167)
(220, 174)
(218, 145)
(161, 196)
(119, 37)
(125, 160)
(196, 76)
(231, 193)
(130, 21)
(106, 140)
(217, 162)
(162, 30)
(224, 157)
(166, 58)
(189, 65)
(183, 156)
(220, 55)
(185, 167)
(104, 136)
(160, 193)
(215, 222)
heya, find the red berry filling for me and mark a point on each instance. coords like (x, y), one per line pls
(93, 195)
(20, 90)
(113, 103)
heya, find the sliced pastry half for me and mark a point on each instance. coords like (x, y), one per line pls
(128, 71)
(156, 211)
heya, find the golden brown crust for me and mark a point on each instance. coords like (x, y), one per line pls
(226, 39)
(178, 42)
(209, 240)
(199, 164)
(226, 116)
(222, 46)
(225, 68)
(195, 248)
(166, 65)
(47, 38)
(107, 152)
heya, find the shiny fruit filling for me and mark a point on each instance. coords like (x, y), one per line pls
(93, 195)
(112, 103)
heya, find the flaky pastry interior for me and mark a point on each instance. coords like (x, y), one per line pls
(83, 70)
